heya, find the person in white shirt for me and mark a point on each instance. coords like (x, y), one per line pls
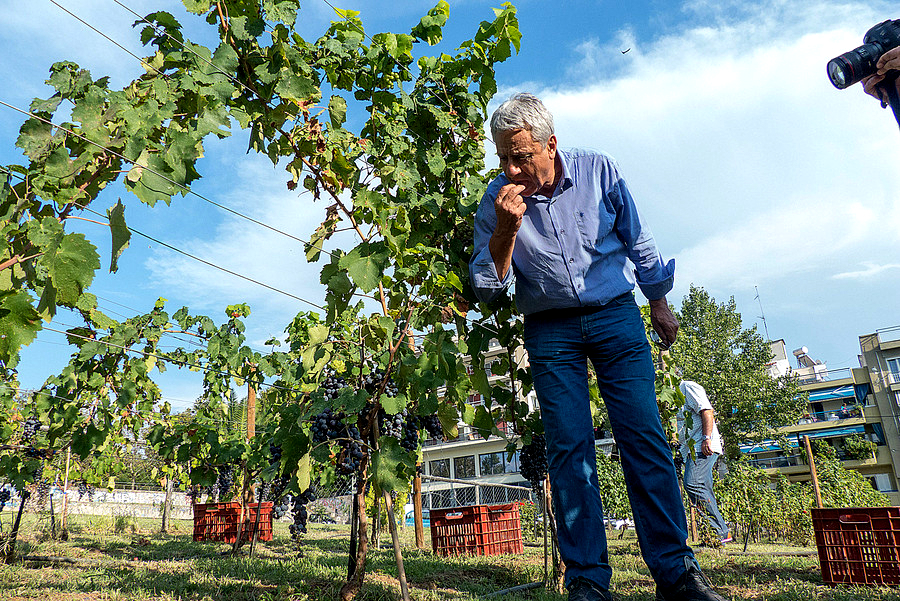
(701, 446)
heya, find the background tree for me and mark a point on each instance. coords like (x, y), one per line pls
(729, 361)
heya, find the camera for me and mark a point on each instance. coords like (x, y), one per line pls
(851, 67)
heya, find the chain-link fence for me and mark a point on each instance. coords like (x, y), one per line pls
(440, 493)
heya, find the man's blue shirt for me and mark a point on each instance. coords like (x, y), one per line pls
(577, 248)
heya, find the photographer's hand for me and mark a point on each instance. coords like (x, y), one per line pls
(888, 61)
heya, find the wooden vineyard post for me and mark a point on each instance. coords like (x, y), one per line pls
(417, 510)
(246, 489)
(395, 538)
(167, 505)
(694, 535)
(65, 507)
(812, 471)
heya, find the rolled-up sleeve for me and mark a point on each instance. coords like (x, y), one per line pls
(653, 275)
(485, 282)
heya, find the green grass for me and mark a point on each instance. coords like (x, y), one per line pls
(130, 560)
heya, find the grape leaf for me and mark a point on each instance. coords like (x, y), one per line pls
(19, 324)
(392, 465)
(121, 235)
(365, 264)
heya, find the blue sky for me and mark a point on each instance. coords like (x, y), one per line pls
(752, 170)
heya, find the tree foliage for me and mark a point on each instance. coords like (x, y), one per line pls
(729, 361)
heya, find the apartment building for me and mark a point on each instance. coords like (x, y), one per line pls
(862, 402)
(858, 403)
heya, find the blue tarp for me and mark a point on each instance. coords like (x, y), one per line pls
(832, 394)
(847, 431)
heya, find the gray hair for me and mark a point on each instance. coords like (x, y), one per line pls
(523, 111)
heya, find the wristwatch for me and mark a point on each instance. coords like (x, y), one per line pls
(705, 437)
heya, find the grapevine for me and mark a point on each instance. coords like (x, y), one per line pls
(407, 183)
(85, 489)
(301, 513)
(533, 461)
(30, 427)
(225, 480)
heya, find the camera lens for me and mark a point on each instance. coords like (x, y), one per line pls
(851, 67)
(837, 73)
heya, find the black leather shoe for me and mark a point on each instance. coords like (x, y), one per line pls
(693, 585)
(583, 589)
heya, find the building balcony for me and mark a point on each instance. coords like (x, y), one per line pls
(793, 466)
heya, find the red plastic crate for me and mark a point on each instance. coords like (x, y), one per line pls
(218, 522)
(476, 530)
(858, 545)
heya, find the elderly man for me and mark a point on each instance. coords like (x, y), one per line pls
(565, 225)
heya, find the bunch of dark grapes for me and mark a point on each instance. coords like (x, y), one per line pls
(279, 485)
(43, 492)
(328, 425)
(211, 492)
(280, 501)
(274, 453)
(392, 425)
(433, 426)
(225, 479)
(332, 386)
(30, 427)
(410, 440)
(33, 453)
(281, 506)
(85, 489)
(351, 454)
(373, 380)
(301, 514)
(38, 472)
(533, 461)
(5, 496)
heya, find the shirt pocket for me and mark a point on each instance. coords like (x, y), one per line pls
(594, 226)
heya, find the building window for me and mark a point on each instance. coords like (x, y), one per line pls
(464, 467)
(439, 467)
(894, 368)
(511, 466)
(492, 463)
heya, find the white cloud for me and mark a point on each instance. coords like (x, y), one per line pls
(871, 270)
(748, 164)
(249, 249)
(53, 34)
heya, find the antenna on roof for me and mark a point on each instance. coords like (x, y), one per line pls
(762, 314)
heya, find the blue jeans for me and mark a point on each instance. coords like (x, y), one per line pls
(698, 482)
(612, 337)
